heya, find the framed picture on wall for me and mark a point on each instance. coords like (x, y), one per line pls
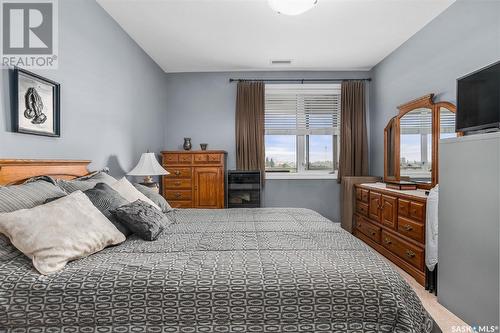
(36, 104)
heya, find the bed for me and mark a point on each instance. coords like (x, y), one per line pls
(231, 270)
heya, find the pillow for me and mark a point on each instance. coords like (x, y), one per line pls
(104, 198)
(143, 219)
(129, 192)
(86, 182)
(27, 195)
(154, 196)
(60, 231)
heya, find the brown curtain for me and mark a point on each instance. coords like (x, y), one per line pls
(353, 160)
(250, 150)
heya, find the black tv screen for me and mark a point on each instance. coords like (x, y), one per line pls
(478, 100)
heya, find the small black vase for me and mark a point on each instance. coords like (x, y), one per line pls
(187, 144)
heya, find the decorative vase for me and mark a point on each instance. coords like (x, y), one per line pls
(203, 146)
(187, 144)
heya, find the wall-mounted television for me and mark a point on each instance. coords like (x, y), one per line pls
(478, 100)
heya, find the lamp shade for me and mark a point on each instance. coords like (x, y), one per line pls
(148, 166)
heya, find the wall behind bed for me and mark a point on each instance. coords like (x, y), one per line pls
(202, 106)
(112, 95)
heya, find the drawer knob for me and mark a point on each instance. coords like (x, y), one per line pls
(177, 172)
(177, 184)
(407, 227)
(410, 254)
(387, 241)
(374, 233)
(177, 195)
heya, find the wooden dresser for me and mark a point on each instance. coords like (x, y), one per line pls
(393, 223)
(196, 178)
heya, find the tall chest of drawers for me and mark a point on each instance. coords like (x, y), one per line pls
(196, 178)
(393, 223)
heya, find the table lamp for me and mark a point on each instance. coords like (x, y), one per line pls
(148, 166)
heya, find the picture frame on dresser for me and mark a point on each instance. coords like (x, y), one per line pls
(36, 104)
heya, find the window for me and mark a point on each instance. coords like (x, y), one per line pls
(302, 125)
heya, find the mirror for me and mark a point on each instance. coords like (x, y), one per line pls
(446, 123)
(390, 142)
(411, 140)
(415, 147)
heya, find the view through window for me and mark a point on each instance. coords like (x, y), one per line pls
(302, 127)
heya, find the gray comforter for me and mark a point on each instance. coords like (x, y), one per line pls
(260, 270)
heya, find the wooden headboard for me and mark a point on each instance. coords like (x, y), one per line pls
(16, 171)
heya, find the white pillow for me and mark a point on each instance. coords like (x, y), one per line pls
(63, 230)
(130, 193)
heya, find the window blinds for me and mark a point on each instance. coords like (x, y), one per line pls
(305, 109)
(416, 122)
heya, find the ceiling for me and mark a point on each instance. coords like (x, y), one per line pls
(241, 35)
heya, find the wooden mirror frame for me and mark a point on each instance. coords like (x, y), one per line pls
(424, 102)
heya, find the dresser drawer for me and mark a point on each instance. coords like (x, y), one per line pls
(185, 158)
(178, 172)
(403, 207)
(170, 158)
(417, 211)
(181, 204)
(411, 209)
(200, 158)
(362, 194)
(404, 250)
(411, 229)
(169, 183)
(178, 194)
(368, 229)
(208, 158)
(362, 208)
(214, 158)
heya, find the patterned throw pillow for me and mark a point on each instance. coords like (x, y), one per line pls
(143, 219)
(86, 182)
(155, 197)
(27, 195)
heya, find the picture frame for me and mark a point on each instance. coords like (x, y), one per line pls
(36, 104)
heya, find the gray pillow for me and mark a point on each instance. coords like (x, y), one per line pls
(143, 219)
(155, 197)
(27, 195)
(86, 182)
(104, 198)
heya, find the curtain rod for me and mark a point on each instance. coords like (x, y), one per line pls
(298, 80)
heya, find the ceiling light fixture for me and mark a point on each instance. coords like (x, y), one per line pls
(292, 7)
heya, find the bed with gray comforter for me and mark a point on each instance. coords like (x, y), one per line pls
(233, 270)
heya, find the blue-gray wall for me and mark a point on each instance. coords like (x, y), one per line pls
(202, 106)
(112, 95)
(462, 39)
